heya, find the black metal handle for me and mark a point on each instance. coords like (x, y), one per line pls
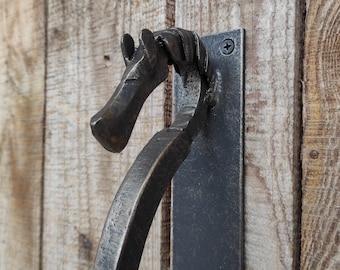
(130, 216)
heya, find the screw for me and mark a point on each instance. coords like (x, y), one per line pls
(314, 154)
(227, 46)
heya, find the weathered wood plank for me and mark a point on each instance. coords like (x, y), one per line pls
(321, 139)
(272, 119)
(22, 54)
(84, 65)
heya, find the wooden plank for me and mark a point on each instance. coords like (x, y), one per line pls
(321, 139)
(166, 208)
(272, 119)
(22, 54)
(84, 65)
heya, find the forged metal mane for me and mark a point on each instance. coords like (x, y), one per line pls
(137, 199)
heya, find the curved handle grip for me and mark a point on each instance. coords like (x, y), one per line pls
(138, 197)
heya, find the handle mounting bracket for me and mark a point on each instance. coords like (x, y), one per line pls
(208, 187)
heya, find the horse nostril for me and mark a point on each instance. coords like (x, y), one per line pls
(94, 120)
(97, 126)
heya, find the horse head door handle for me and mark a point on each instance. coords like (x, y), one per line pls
(138, 197)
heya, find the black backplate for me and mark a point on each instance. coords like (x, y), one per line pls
(208, 187)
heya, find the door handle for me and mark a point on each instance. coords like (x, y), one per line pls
(139, 195)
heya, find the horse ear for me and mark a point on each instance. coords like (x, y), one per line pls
(147, 40)
(128, 48)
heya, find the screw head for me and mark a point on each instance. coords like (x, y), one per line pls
(228, 46)
(314, 154)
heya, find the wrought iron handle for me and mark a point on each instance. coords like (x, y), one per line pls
(130, 216)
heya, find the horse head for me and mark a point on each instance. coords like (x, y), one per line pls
(146, 68)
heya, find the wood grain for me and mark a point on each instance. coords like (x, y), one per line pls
(321, 140)
(272, 119)
(22, 49)
(166, 209)
(84, 65)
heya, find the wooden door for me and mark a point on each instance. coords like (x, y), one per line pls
(60, 62)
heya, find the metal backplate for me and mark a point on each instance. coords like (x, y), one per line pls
(208, 187)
